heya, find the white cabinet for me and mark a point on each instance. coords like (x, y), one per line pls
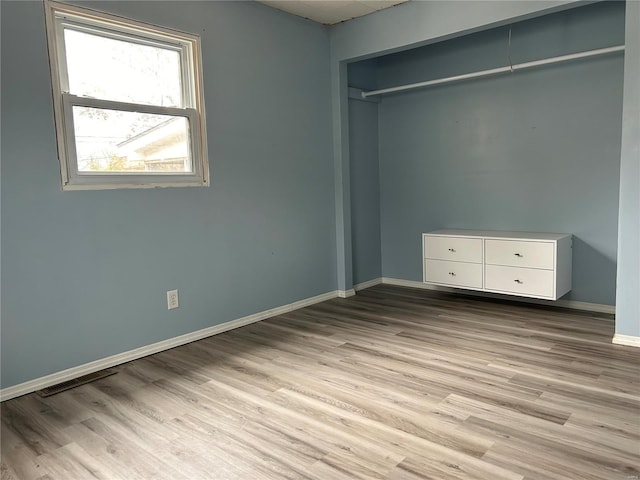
(536, 265)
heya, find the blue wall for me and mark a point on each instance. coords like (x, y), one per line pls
(534, 151)
(364, 176)
(365, 191)
(84, 274)
(628, 298)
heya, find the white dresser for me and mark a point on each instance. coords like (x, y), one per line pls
(536, 265)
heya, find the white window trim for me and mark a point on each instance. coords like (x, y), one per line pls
(59, 14)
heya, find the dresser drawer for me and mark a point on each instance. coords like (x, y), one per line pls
(453, 248)
(517, 253)
(453, 273)
(529, 282)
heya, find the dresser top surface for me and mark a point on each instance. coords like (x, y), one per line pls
(499, 234)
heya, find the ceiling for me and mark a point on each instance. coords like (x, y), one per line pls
(330, 12)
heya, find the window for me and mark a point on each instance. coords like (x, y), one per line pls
(128, 102)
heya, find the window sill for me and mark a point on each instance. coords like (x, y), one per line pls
(128, 186)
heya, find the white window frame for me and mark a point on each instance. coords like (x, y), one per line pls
(60, 16)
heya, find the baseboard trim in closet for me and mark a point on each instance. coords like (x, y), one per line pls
(573, 304)
(369, 283)
(120, 358)
(628, 340)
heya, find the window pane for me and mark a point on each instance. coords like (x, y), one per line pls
(110, 69)
(113, 141)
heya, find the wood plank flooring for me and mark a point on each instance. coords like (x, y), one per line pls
(394, 383)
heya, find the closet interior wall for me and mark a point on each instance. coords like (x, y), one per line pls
(364, 175)
(537, 150)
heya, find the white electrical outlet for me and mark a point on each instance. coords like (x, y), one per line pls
(172, 299)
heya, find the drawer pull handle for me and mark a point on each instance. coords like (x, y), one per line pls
(518, 281)
(452, 274)
(518, 255)
(452, 250)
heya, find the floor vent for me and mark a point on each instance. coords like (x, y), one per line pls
(76, 382)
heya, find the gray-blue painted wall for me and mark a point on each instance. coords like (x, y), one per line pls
(628, 294)
(84, 274)
(364, 176)
(365, 191)
(533, 151)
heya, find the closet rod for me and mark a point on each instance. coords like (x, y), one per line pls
(495, 71)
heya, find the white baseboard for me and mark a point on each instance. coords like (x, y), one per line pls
(346, 293)
(367, 284)
(573, 304)
(408, 283)
(584, 306)
(74, 372)
(628, 340)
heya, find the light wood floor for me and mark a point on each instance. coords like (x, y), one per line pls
(394, 383)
